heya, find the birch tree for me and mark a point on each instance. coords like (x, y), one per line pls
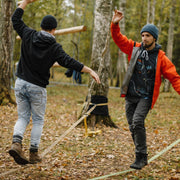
(151, 11)
(122, 60)
(148, 11)
(101, 34)
(169, 51)
(6, 50)
(160, 15)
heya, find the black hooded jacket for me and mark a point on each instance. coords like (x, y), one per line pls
(39, 51)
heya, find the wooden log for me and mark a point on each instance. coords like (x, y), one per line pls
(18, 37)
(71, 30)
(56, 65)
(19, 2)
(67, 30)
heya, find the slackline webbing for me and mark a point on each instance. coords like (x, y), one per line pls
(59, 139)
(103, 104)
(68, 131)
(130, 170)
(113, 174)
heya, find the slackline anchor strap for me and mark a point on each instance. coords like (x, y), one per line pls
(87, 131)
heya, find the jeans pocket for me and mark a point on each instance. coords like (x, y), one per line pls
(38, 103)
(19, 96)
(36, 97)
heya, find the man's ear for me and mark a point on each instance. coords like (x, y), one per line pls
(53, 31)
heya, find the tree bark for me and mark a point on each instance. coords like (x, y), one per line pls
(122, 60)
(100, 60)
(169, 50)
(151, 7)
(148, 11)
(6, 51)
(160, 16)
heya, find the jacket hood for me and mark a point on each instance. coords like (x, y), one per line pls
(43, 39)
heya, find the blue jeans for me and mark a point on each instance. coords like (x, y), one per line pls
(31, 100)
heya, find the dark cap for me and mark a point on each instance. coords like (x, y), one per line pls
(152, 29)
(48, 22)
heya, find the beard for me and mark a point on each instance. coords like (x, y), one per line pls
(147, 46)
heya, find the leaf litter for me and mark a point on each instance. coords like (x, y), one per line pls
(80, 157)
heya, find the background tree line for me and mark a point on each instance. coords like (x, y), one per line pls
(77, 12)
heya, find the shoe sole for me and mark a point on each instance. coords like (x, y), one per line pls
(34, 162)
(137, 167)
(17, 158)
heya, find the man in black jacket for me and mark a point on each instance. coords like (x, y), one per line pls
(39, 51)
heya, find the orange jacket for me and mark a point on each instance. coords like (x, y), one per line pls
(163, 67)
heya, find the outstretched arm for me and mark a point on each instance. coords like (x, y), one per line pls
(24, 3)
(18, 24)
(169, 72)
(92, 73)
(126, 45)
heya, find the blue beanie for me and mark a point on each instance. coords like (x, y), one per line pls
(152, 29)
(49, 22)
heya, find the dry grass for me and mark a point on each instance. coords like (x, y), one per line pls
(77, 157)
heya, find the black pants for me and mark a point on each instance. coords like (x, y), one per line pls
(136, 112)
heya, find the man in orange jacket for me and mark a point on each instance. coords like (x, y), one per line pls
(142, 81)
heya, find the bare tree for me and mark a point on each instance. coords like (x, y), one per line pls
(160, 16)
(148, 11)
(151, 11)
(122, 60)
(100, 61)
(169, 50)
(6, 49)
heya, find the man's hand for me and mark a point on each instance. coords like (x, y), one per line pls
(22, 4)
(92, 73)
(95, 76)
(118, 15)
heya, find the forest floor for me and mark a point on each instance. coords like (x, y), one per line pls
(78, 157)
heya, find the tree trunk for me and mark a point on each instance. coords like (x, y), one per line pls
(153, 11)
(122, 60)
(101, 63)
(160, 16)
(148, 11)
(169, 50)
(6, 49)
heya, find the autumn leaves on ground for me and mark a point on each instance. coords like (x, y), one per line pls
(78, 157)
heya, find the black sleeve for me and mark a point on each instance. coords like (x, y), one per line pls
(18, 24)
(65, 60)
